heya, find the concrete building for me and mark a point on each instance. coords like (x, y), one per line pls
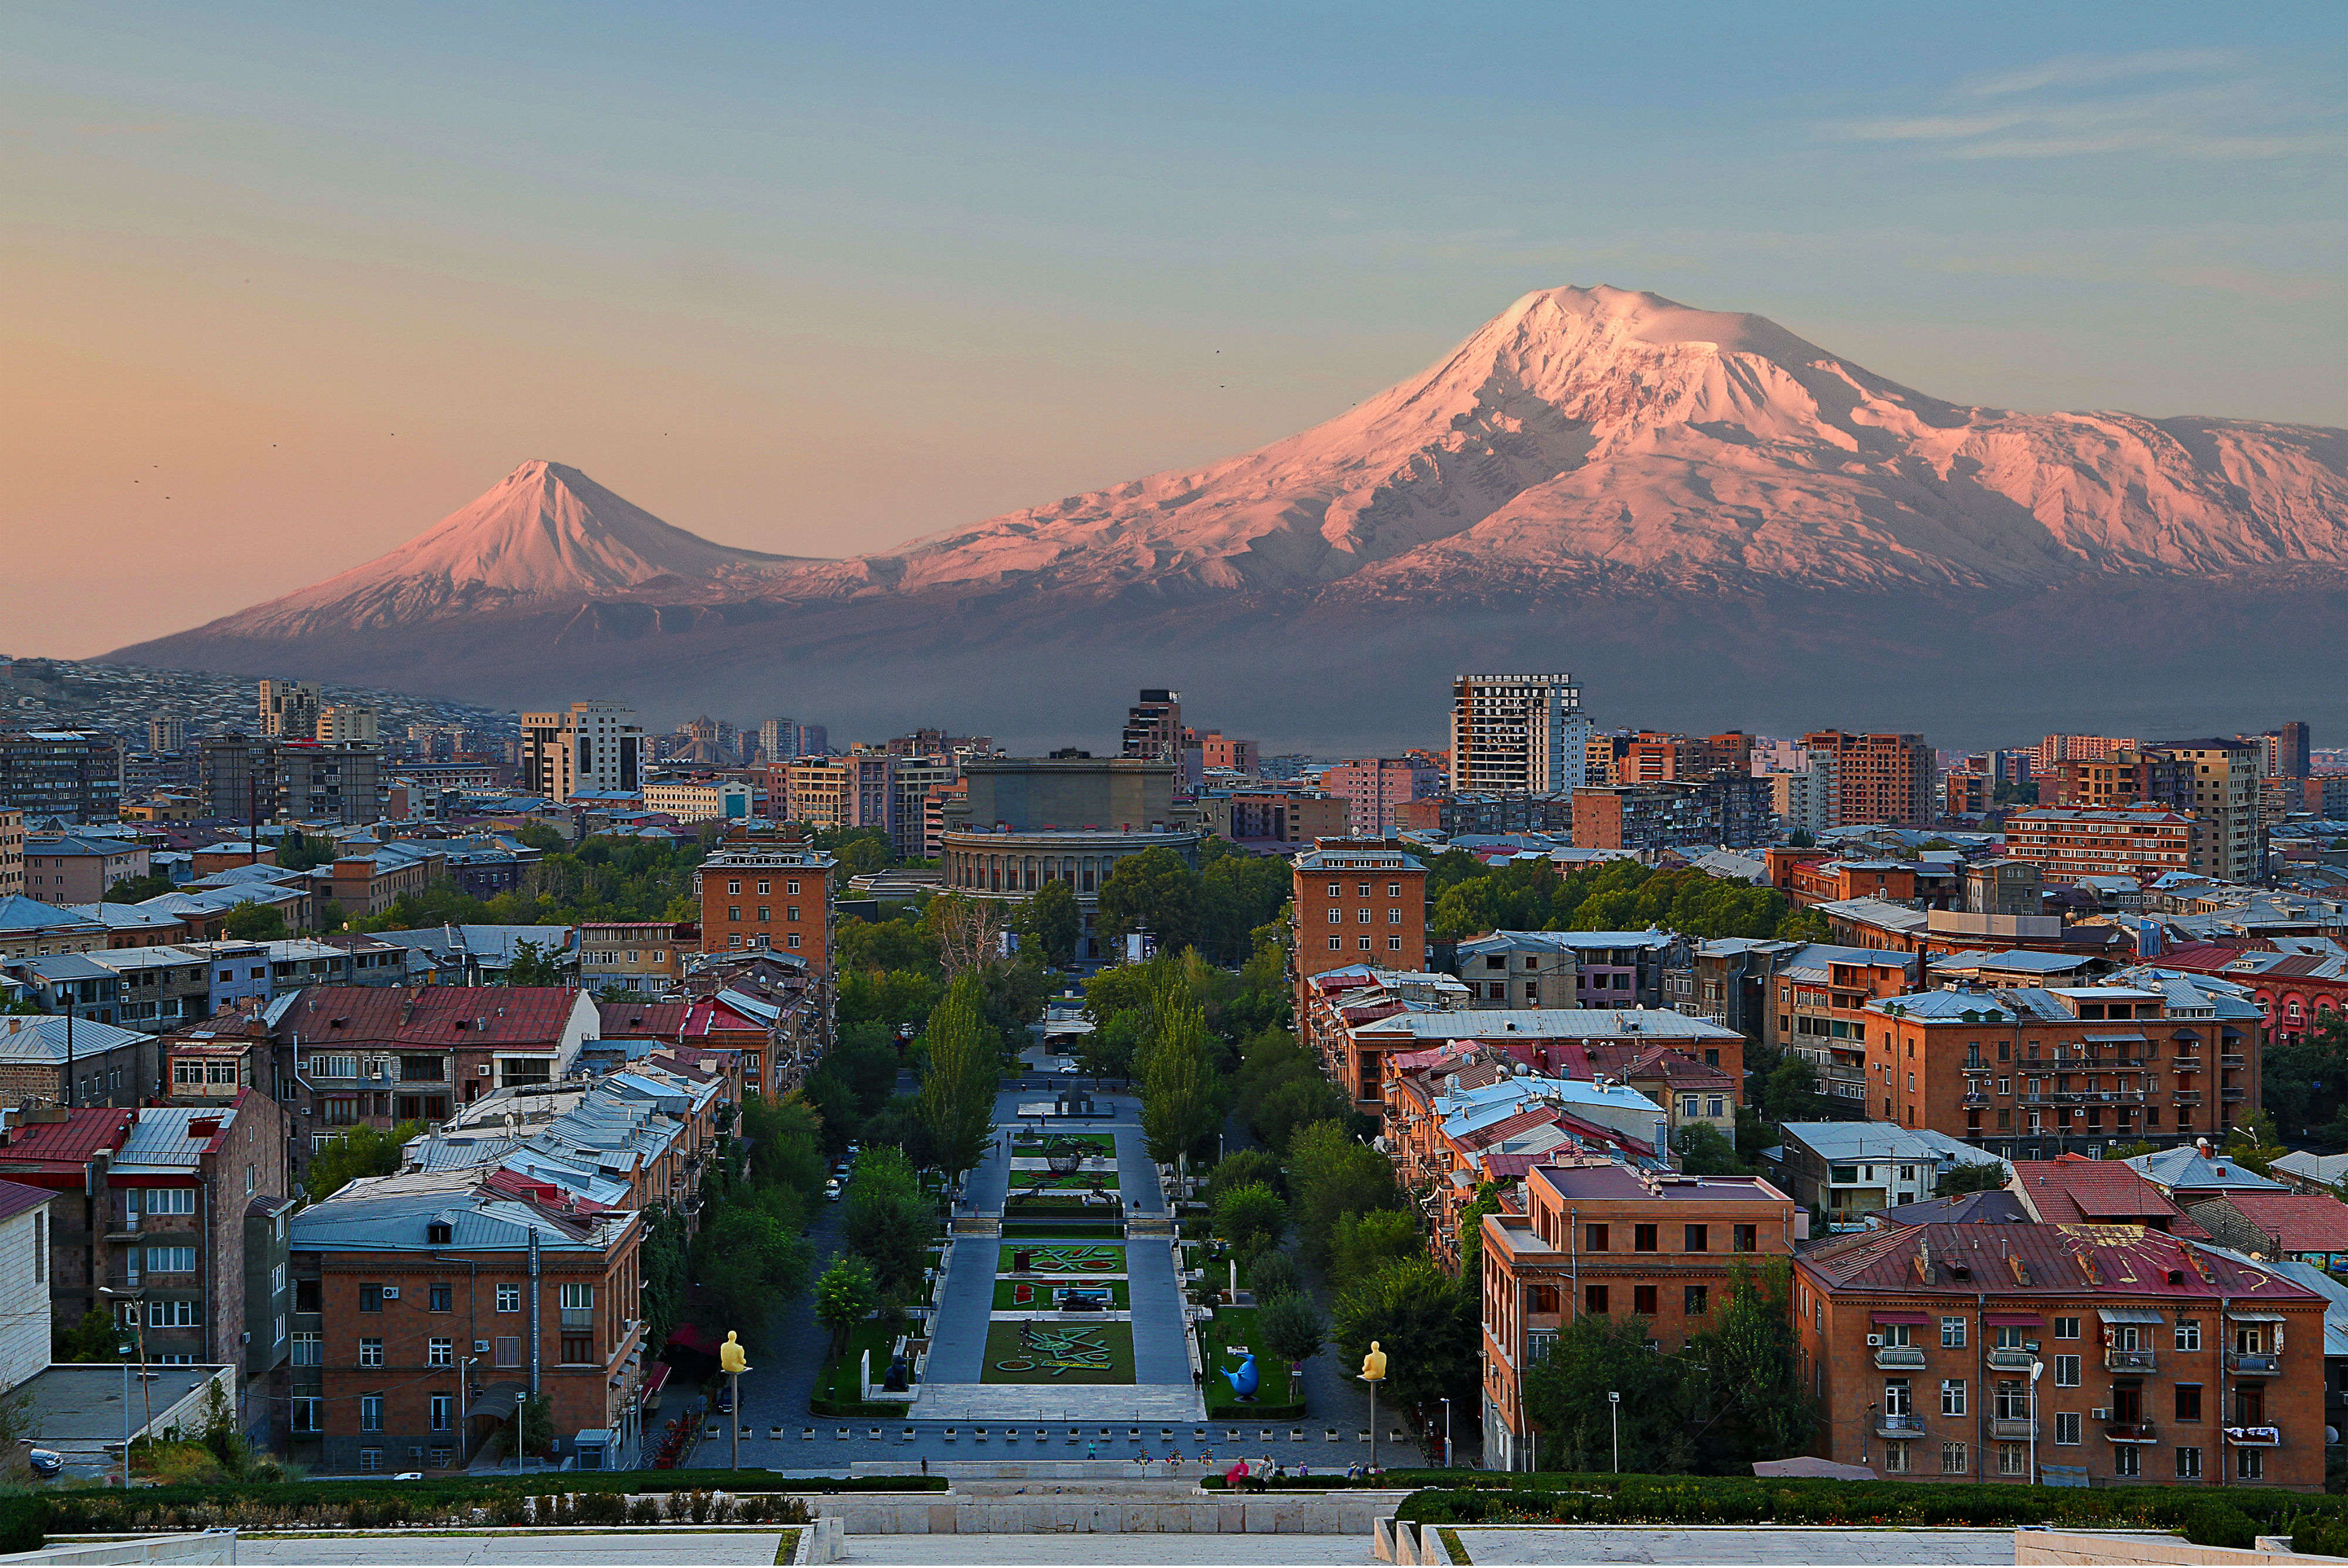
(237, 776)
(1567, 968)
(1014, 865)
(70, 1061)
(347, 723)
(635, 954)
(590, 746)
(1603, 1241)
(1520, 733)
(2142, 841)
(1733, 810)
(288, 710)
(334, 782)
(1847, 1170)
(74, 868)
(1875, 778)
(61, 774)
(1028, 794)
(2164, 1362)
(1375, 788)
(1153, 728)
(12, 853)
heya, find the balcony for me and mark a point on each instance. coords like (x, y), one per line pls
(2255, 1437)
(1898, 1425)
(2130, 1432)
(2253, 1363)
(1974, 1097)
(1901, 1358)
(2129, 1361)
(2232, 1060)
(2234, 1092)
(1985, 1069)
(2186, 1097)
(2012, 1359)
(2018, 1427)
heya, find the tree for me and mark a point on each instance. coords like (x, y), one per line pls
(360, 1150)
(1298, 1101)
(967, 933)
(1051, 923)
(1152, 892)
(1294, 1328)
(899, 1125)
(1745, 1384)
(1239, 1167)
(964, 1070)
(1704, 1150)
(746, 1259)
(1178, 1088)
(1108, 1051)
(1365, 1244)
(96, 1337)
(251, 921)
(1565, 1398)
(888, 1221)
(2252, 1142)
(1790, 1091)
(1970, 1176)
(534, 966)
(139, 890)
(1252, 1218)
(300, 852)
(1273, 1274)
(844, 1295)
(785, 1140)
(1424, 1322)
(1329, 1177)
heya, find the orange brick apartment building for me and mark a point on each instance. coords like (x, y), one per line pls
(1358, 901)
(774, 894)
(1876, 778)
(1603, 1240)
(2164, 1362)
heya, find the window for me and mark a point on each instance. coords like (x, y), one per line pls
(440, 1353)
(509, 1298)
(2012, 1459)
(2066, 1428)
(1642, 1238)
(170, 1260)
(1953, 1333)
(1393, 944)
(1394, 917)
(171, 1201)
(1697, 1238)
(1593, 1300)
(509, 1353)
(1642, 1300)
(578, 1306)
(442, 1457)
(2066, 1371)
(766, 913)
(735, 888)
(1697, 1300)
(442, 1298)
(791, 888)
(2250, 1464)
(370, 1351)
(1895, 1459)
(1895, 1334)
(578, 1349)
(2127, 1460)
(370, 1298)
(307, 1342)
(2189, 1464)
(306, 1414)
(171, 1314)
(1744, 1239)
(1595, 1238)
(1953, 1459)
(765, 887)
(1952, 1396)
(1897, 1400)
(1335, 942)
(2066, 1328)
(370, 1412)
(2188, 1401)
(2189, 1334)
(444, 1408)
(733, 911)
(1336, 889)
(370, 1459)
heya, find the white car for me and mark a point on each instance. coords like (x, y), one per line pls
(832, 1190)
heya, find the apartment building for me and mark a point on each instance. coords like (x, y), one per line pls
(775, 894)
(1732, 810)
(2217, 781)
(635, 954)
(1153, 727)
(1821, 992)
(1850, 1169)
(347, 723)
(288, 710)
(12, 853)
(2033, 1072)
(1875, 779)
(70, 1060)
(591, 746)
(1358, 901)
(1567, 968)
(428, 1305)
(1221, 753)
(1603, 1240)
(62, 774)
(237, 776)
(343, 781)
(1374, 788)
(1517, 734)
(30, 928)
(74, 868)
(915, 779)
(2160, 1361)
(2143, 842)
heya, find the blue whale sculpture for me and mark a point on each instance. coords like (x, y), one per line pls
(1242, 1378)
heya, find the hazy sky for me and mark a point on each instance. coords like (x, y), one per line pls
(286, 283)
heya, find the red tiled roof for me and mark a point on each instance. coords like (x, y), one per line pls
(15, 1198)
(2056, 1259)
(2077, 1189)
(2300, 1221)
(2204, 956)
(430, 1016)
(1508, 1126)
(643, 1020)
(65, 1145)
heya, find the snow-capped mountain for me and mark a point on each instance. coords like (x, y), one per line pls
(1697, 505)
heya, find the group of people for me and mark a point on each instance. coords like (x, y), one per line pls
(1255, 1474)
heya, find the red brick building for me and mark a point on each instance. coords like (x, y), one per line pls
(1603, 1240)
(1876, 778)
(1358, 901)
(2165, 1363)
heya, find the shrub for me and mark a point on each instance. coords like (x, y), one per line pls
(644, 1511)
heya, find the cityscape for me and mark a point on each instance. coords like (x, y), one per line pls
(1054, 785)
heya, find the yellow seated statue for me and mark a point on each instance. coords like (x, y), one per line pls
(731, 1359)
(1374, 1364)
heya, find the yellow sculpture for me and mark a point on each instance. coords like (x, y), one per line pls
(1374, 1364)
(733, 1360)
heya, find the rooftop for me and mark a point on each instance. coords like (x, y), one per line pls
(1573, 1184)
(1548, 1023)
(2114, 1261)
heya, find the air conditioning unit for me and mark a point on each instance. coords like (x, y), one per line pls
(391, 1292)
(1874, 1341)
(483, 1069)
(480, 1347)
(2099, 1415)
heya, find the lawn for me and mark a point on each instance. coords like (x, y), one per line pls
(1098, 1143)
(1006, 1291)
(841, 1383)
(1058, 1353)
(1081, 1182)
(1074, 1261)
(1237, 1326)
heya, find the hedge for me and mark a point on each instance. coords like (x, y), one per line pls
(2231, 1516)
(556, 1497)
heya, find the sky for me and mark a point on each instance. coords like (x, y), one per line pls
(286, 283)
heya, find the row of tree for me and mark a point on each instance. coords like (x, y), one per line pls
(1466, 897)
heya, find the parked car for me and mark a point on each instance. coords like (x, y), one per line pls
(46, 1461)
(832, 1190)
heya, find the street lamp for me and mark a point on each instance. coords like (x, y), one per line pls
(1447, 1434)
(124, 1352)
(2037, 1367)
(1614, 1406)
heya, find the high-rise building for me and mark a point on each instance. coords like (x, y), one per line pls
(1376, 788)
(1153, 727)
(237, 776)
(289, 710)
(2057, 749)
(61, 773)
(1517, 734)
(1875, 779)
(814, 741)
(338, 783)
(2287, 753)
(594, 745)
(1219, 752)
(2217, 780)
(346, 724)
(778, 741)
(913, 779)
(166, 735)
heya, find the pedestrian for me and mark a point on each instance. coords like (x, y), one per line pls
(925, 1467)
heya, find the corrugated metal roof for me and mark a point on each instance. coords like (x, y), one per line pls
(164, 1139)
(2115, 1261)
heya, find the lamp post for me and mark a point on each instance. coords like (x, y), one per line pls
(1614, 1407)
(1447, 1434)
(1374, 1372)
(2037, 1367)
(124, 1351)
